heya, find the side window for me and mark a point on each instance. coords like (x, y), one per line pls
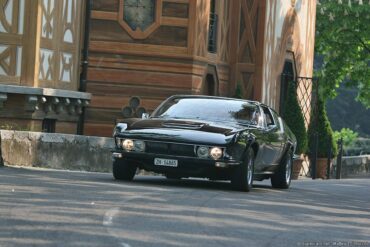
(257, 118)
(281, 122)
(276, 119)
(268, 116)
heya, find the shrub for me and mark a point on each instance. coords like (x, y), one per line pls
(348, 135)
(293, 116)
(325, 133)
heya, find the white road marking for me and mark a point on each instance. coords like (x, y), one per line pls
(109, 215)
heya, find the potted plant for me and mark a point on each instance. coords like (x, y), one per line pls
(325, 141)
(293, 116)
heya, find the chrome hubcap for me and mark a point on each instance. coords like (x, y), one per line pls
(288, 170)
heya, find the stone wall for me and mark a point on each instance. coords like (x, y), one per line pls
(354, 166)
(86, 153)
(57, 151)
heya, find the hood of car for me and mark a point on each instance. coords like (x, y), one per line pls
(180, 130)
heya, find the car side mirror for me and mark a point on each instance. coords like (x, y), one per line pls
(145, 116)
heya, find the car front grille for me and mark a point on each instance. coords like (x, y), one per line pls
(170, 148)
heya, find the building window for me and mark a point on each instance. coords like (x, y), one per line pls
(213, 23)
(48, 125)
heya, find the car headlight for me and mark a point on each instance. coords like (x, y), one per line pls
(139, 146)
(128, 144)
(216, 153)
(203, 152)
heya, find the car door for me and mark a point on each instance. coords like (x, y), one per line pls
(273, 138)
(281, 138)
(266, 153)
(261, 160)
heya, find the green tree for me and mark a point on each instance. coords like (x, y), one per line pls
(293, 116)
(343, 41)
(324, 132)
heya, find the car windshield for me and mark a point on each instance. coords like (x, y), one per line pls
(209, 109)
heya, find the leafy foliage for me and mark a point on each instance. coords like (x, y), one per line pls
(361, 146)
(348, 135)
(324, 131)
(344, 109)
(294, 118)
(343, 41)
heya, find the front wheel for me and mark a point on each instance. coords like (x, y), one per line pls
(283, 176)
(122, 170)
(242, 178)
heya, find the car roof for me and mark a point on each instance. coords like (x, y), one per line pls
(214, 97)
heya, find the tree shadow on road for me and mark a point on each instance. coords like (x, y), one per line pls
(48, 208)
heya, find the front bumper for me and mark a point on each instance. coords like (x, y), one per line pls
(186, 165)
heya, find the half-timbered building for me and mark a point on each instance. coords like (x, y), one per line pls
(156, 48)
(142, 51)
(40, 43)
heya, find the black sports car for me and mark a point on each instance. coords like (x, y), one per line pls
(210, 137)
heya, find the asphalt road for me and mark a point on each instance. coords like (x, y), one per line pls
(59, 208)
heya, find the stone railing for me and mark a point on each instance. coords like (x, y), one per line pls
(47, 99)
(57, 151)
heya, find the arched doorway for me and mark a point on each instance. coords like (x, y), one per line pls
(288, 76)
(209, 85)
(210, 82)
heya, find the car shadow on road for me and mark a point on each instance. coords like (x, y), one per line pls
(196, 183)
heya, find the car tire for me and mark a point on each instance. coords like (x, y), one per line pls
(242, 177)
(283, 176)
(122, 170)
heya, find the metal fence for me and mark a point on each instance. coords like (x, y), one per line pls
(307, 94)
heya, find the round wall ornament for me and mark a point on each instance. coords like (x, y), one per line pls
(140, 18)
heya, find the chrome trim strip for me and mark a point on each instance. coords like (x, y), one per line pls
(117, 155)
(183, 126)
(157, 141)
(180, 143)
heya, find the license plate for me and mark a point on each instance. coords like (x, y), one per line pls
(165, 162)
